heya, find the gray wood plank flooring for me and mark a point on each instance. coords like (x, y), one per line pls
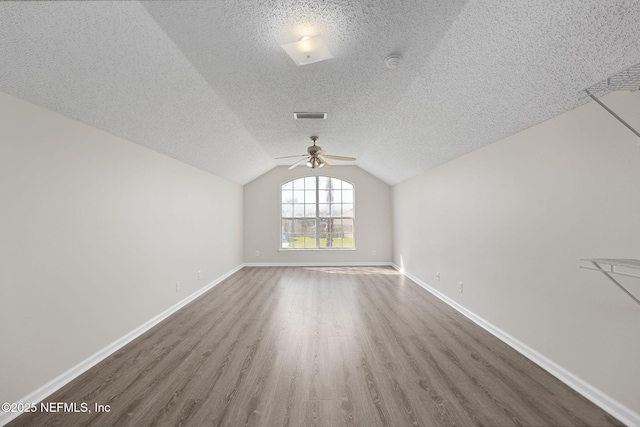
(319, 346)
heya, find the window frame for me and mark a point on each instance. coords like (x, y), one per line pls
(317, 218)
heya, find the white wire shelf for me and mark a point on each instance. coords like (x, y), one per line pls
(628, 79)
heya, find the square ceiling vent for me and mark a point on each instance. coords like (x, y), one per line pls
(317, 116)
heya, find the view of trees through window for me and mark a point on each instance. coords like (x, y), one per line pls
(317, 213)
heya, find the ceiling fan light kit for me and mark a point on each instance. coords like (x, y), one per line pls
(315, 162)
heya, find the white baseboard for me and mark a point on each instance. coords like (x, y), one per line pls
(66, 377)
(318, 264)
(601, 399)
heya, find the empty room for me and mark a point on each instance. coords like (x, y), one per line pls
(320, 213)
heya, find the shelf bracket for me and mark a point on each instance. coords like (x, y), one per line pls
(600, 103)
(610, 277)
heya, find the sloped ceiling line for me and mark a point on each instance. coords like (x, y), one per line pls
(207, 82)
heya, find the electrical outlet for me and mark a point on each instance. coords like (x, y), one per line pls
(460, 285)
(177, 286)
(199, 274)
(373, 252)
(257, 253)
(438, 276)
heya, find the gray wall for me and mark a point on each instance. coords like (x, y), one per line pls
(512, 221)
(95, 232)
(262, 219)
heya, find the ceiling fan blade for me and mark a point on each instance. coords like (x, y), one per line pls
(329, 156)
(298, 163)
(326, 164)
(288, 157)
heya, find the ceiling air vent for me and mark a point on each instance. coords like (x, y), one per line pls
(320, 116)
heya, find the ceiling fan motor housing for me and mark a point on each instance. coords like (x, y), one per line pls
(313, 149)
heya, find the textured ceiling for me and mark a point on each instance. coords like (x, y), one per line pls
(207, 83)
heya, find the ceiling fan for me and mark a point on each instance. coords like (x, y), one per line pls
(313, 159)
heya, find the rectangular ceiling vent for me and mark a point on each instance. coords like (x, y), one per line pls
(317, 116)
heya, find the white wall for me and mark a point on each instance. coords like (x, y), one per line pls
(262, 219)
(512, 221)
(94, 233)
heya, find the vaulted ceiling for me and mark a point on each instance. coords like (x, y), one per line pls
(207, 83)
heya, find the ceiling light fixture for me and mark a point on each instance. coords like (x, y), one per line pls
(308, 50)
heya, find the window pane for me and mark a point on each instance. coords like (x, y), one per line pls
(347, 233)
(310, 210)
(298, 210)
(336, 183)
(287, 234)
(287, 185)
(310, 241)
(322, 240)
(335, 210)
(310, 196)
(324, 209)
(298, 196)
(310, 234)
(323, 196)
(347, 196)
(298, 226)
(309, 227)
(332, 234)
(287, 196)
(287, 210)
(310, 183)
(336, 196)
(324, 233)
(347, 210)
(295, 238)
(323, 182)
(347, 186)
(336, 233)
(298, 184)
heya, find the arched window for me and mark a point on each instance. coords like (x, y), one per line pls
(317, 213)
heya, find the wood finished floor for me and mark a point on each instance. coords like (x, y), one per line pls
(321, 346)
